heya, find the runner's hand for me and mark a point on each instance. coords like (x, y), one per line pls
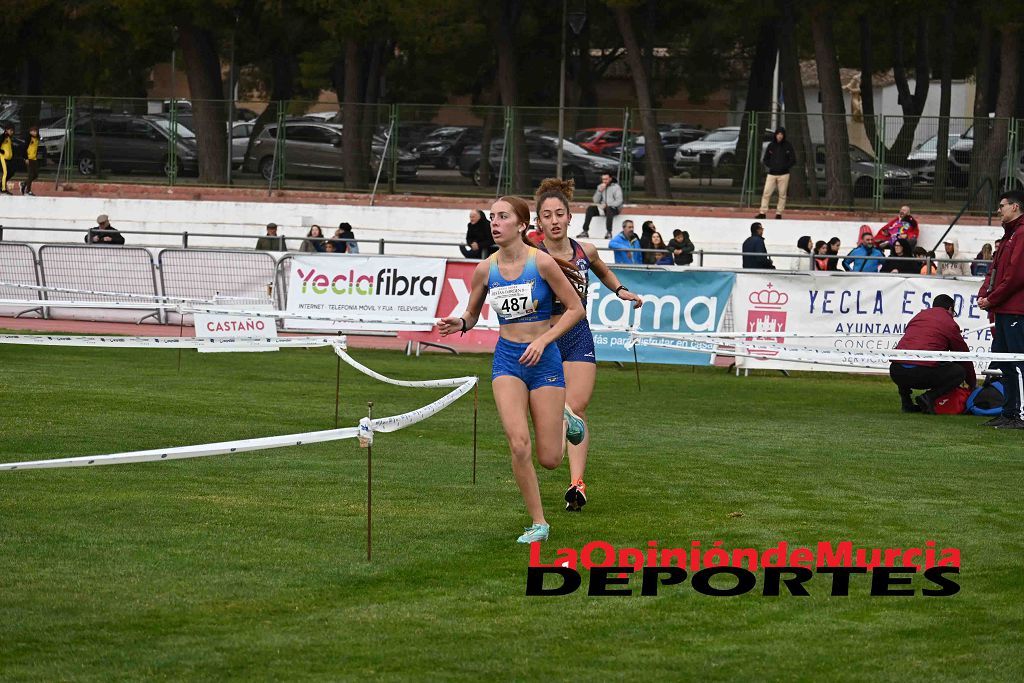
(531, 356)
(449, 325)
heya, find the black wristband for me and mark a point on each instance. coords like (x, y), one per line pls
(463, 330)
(620, 288)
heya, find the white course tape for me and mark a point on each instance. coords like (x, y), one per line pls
(699, 342)
(168, 342)
(384, 424)
(125, 295)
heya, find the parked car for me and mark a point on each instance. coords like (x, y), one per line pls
(671, 140)
(921, 161)
(126, 143)
(960, 158)
(583, 166)
(443, 147)
(315, 149)
(596, 140)
(721, 143)
(897, 181)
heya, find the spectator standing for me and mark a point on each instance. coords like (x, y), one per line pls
(755, 255)
(899, 260)
(104, 234)
(871, 258)
(803, 260)
(982, 261)
(659, 253)
(479, 241)
(927, 261)
(904, 226)
(646, 230)
(779, 157)
(933, 329)
(953, 264)
(682, 248)
(314, 242)
(271, 241)
(31, 161)
(821, 259)
(607, 200)
(626, 245)
(834, 245)
(6, 158)
(1002, 295)
(345, 240)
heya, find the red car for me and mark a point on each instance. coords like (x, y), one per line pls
(597, 140)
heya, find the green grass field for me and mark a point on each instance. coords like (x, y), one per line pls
(253, 566)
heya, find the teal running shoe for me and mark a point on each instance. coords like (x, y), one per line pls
(575, 429)
(535, 533)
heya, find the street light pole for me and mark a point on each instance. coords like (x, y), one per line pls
(231, 99)
(561, 94)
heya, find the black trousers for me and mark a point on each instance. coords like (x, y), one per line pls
(32, 172)
(610, 212)
(1008, 337)
(937, 379)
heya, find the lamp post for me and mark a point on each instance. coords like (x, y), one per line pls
(575, 20)
(231, 98)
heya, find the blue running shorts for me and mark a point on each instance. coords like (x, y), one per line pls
(546, 373)
(577, 345)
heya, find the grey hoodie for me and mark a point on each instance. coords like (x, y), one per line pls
(949, 269)
(612, 196)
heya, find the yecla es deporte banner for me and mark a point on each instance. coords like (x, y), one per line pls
(674, 301)
(391, 293)
(861, 312)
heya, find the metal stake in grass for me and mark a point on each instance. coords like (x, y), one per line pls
(369, 489)
(337, 387)
(476, 397)
(636, 364)
(181, 333)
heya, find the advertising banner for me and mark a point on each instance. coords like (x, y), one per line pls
(377, 293)
(674, 301)
(225, 326)
(860, 312)
(454, 296)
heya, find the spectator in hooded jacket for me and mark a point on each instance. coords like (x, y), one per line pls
(755, 255)
(607, 200)
(933, 329)
(682, 248)
(1002, 295)
(779, 157)
(901, 259)
(904, 226)
(954, 263)
(804, 249)
(479, 241)
(870, 258)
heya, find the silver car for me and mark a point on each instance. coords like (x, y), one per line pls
(314, 149)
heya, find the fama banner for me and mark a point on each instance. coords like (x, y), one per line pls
(859, 312)
(674, 301)
(374, 293)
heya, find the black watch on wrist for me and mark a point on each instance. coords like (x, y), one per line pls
(620, 288)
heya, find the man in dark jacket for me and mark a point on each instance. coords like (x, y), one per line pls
(779, 157)
(1002, 295)
(104, 234)
(681, 248)
(753, 248)
(933, 329)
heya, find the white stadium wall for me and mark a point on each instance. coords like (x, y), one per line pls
(415, 224)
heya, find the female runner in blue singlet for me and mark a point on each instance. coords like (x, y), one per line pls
(521, 283)
(576, 345)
